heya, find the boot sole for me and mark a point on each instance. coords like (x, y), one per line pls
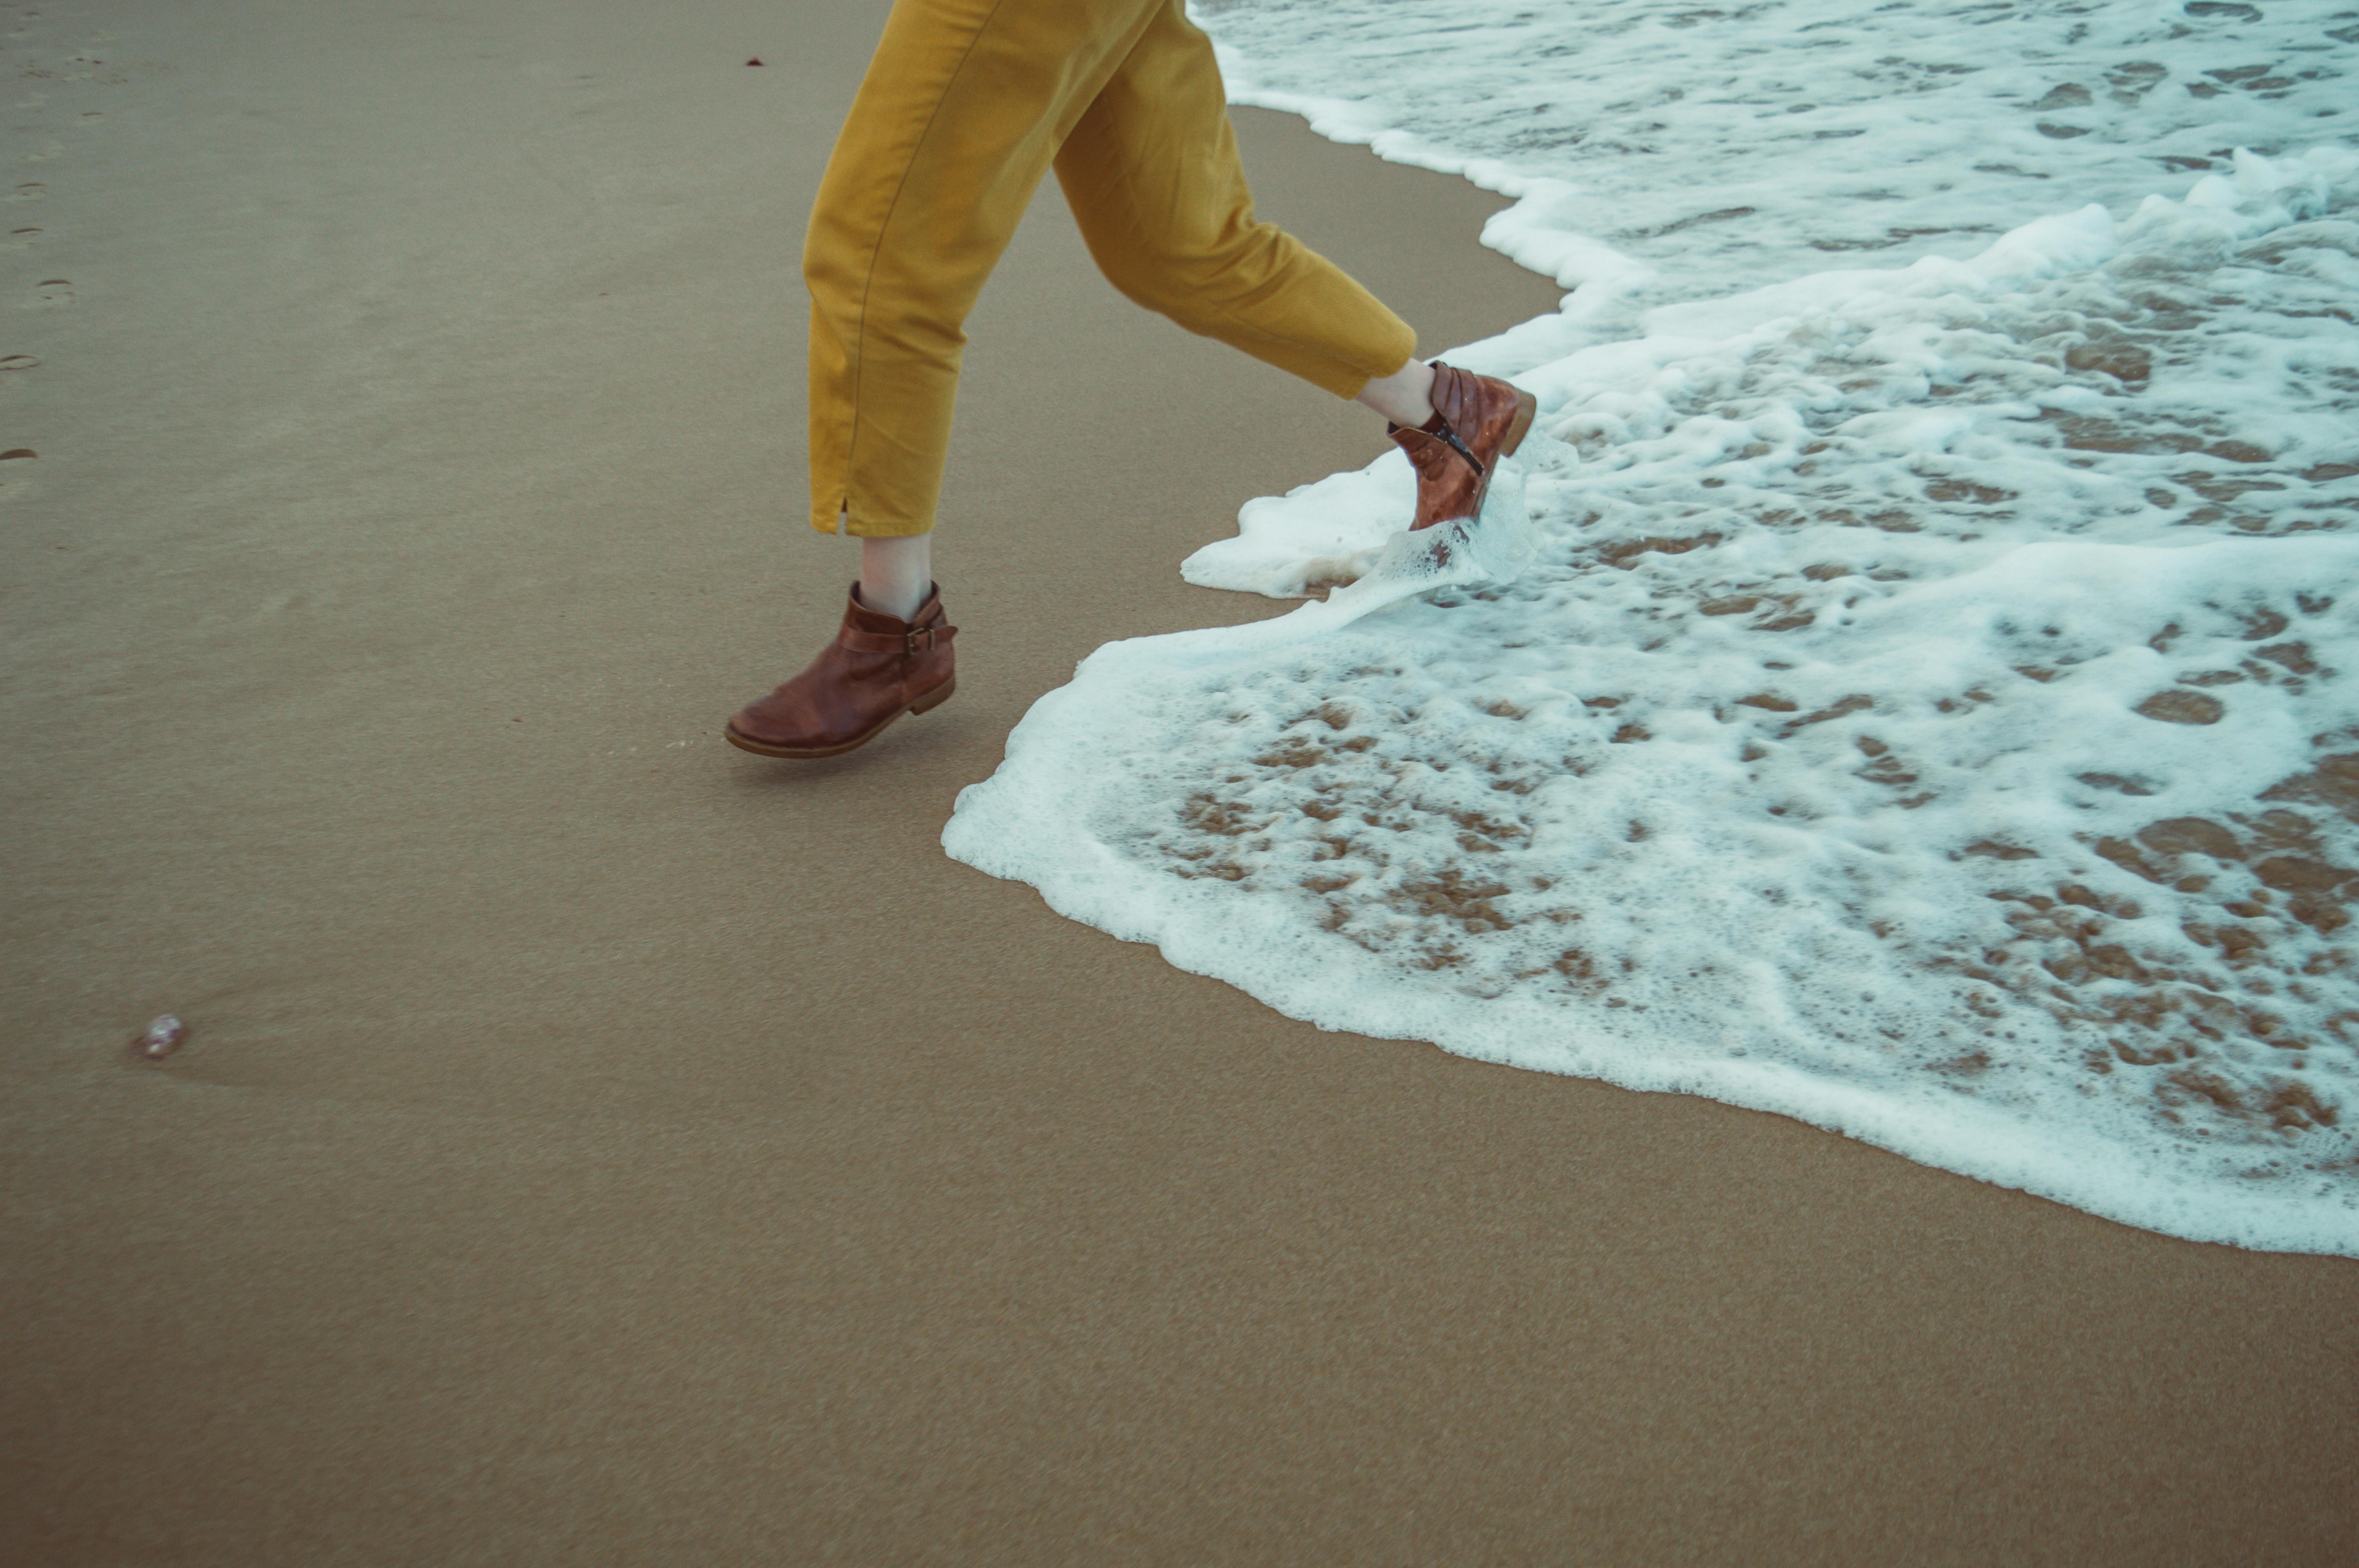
(925, 704)
(1527, 408)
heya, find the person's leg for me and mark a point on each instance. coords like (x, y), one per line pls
(961, 110)
(963, 105)
(1152, 176)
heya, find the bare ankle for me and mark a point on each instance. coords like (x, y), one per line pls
(896, 600)
(897, 574)
(1404, 397)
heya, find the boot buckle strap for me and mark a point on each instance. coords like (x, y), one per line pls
(908, 642)
(1451, 436)
(1439, 428)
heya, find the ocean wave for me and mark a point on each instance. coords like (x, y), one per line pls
(1918, 701)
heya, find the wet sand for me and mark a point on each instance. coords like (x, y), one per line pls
(601, 1145)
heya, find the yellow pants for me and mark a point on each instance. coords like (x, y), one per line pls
(965, 107)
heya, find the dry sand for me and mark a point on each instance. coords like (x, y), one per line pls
(601, 1146)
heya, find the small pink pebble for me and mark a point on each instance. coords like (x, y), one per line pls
(161, 1038)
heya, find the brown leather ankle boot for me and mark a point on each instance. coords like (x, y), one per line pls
(1477, 420)
(877, 668)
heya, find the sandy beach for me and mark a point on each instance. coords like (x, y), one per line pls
(599, 1145)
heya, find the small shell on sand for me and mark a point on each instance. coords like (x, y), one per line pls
(161, 1038)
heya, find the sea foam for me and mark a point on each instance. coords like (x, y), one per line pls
(1909, 697)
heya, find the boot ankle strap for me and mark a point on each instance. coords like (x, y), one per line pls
(1446, 433)
(911, 641)
(1439, 429)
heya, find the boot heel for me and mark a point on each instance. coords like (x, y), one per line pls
(1527, 407)
(935, 697)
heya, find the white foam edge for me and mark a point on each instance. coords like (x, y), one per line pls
(1091, 885)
